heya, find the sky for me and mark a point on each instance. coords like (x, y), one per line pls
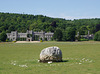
(67, 9)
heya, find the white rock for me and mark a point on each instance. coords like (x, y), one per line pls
(38, 60)
(51, 54)
(14, 64)
(80, 63)
(49, 62)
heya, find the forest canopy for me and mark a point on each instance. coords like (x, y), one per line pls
(23, 22)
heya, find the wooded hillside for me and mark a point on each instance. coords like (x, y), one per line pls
(22, 22)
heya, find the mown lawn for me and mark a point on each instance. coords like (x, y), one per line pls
(79, 57)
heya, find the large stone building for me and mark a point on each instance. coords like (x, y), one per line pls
(29, 35)
(88, 36)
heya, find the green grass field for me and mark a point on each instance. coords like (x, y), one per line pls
(79, 57)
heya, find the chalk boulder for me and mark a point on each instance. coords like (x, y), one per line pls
(51, 54)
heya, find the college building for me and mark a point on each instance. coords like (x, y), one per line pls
(29, 36)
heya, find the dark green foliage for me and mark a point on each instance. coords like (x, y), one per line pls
(53, 24)
(83, 30)
(3, 36)
(29, 35)
(58, 35)
(70, 34)
(23, 22)
(97, 27)
(97, 36)
(64, 38)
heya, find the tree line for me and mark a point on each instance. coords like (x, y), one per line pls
(68, 28)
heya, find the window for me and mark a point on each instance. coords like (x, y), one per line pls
(13, 34)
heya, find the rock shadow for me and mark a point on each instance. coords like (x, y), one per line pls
(65, 60)
(53, 61)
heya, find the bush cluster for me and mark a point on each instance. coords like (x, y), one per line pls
(97, 36)
(83, 39)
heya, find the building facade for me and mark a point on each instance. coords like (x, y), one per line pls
(29, 36)
(88, 36)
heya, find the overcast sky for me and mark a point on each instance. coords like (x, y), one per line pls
(68, 9)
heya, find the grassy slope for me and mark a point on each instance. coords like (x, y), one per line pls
(83, 58)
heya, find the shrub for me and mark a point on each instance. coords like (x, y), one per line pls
(83, 39)
(97, 36)
(7, 40)
(41, 41)
(58, 35)
(3, 36)
(14, 41)
(70, 34)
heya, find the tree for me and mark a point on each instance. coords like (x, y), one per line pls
(11, 28)
(22, 22)
(53, 24)
(58, 35)
(97, 36)
(64, 36)
(83, 30)
(70, 34)
(97, 27)
(3, 36)
(33, 26)
(51, 29)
